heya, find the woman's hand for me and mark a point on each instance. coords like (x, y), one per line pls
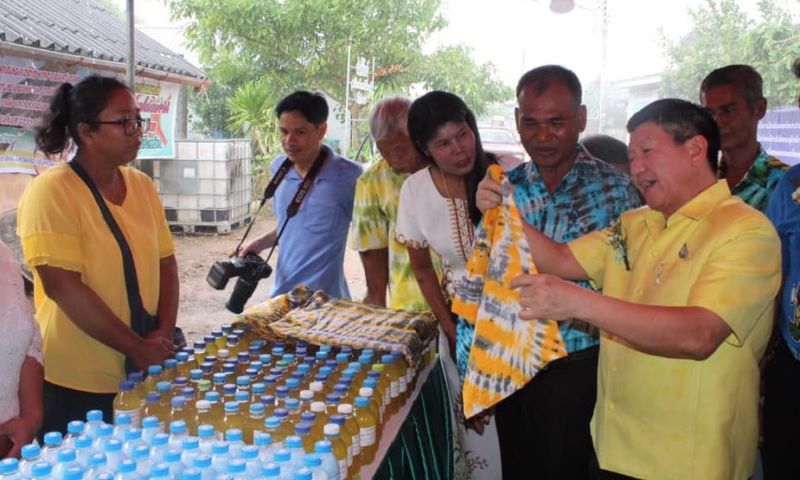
(21, 431)
(489, 194)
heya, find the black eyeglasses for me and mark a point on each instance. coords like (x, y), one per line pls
(129, 125)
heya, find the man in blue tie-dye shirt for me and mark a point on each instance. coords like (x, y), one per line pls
(565, 193)
(733, 95)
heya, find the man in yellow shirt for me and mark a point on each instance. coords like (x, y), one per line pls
(688, 285)
(375, 210)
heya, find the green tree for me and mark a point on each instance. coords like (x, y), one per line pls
(289, 44)
(724, 34)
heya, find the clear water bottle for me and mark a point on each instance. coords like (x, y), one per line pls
(206, 436)
(237, 469)
(234, 438)
(122, 423)
(295, 446)
(83, 451)
(283, 459)
(191, 449)
(52, 442)
(103, 433)
(127, 470)
(65, 459)
(98, 464)
(74, 431)
(172, 459)
(149, 428)
(203, 464)
(263, 441)
(189, 474)
(324, 449)
(31, 454)
(159, 471)
(270, 471)
(9, 469)
(141, 455)
(94, 419)
(133, 439)
(159, 444)
(113, 451)
(73, 473)
(41, 471)
(177, 432)
(313, 462)
(220, 454)
(251, 460)
(303, 474)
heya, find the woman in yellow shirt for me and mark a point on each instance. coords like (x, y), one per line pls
(79, 285)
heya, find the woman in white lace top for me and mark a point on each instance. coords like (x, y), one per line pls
(21, 373)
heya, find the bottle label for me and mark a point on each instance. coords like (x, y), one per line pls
(403, 385)
(395, 388)
(356, 444)
(367, 436)
(342, 468)
(135, 416)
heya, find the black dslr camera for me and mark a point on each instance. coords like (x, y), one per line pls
(250, 269)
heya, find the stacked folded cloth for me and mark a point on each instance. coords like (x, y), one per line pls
(318, 319)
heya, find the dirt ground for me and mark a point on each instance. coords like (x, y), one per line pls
(201, 307)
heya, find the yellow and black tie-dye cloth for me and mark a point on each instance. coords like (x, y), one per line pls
(320, 320)
(506, 352)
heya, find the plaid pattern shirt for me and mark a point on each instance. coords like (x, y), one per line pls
(591, 196)
(759, 182)
(374, 221)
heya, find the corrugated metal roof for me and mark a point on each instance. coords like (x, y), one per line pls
(84, 28)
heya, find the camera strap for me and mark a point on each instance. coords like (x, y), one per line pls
(297, 199)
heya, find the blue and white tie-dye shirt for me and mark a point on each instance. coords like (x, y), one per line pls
(590, 197)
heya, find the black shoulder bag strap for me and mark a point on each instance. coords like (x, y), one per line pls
(131, 280)
(297, 200)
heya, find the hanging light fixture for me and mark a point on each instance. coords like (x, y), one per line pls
(562, 6)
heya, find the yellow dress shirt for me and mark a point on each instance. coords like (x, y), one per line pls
(665, 418)
(60, 225)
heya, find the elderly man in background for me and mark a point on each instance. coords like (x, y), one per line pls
(733, 95)
(689, 284)
(375, 211)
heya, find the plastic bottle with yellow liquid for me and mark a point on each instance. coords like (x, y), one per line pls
(367, 429)
(203, 414)
(138, 385)
(352, 428)
(254, 422)
(272, 426)
(127, 401)
(233, 417)
(180, 412)
(217, 411)
(369, 393)
(152, 407)
(321, 418)
(344, 435)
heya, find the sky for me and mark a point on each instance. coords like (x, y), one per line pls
(516, 35)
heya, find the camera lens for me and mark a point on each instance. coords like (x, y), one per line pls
(242, 292)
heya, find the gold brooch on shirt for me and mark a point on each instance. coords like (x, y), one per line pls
(683, 254)
(619, 242)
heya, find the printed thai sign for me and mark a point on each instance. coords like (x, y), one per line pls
(26, 87)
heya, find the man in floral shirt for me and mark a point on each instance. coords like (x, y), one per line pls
(733, 95)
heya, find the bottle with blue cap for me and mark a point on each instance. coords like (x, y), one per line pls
(159, 445)
(235, 439)
(181, 413)
(229, 392)
(150, 427)
(191, 449)
(98, 465)
(154, 375)
(113, 450)
(41, 471)
(9, 469)
(242, 363)
(203, 465)
(94, 419)
(159, 471)
(272, 427)
(217, 410)
(206, 436)
(302, 474)
(83, 450)
(210, 345)
(73, 473)
(127, 470)
(172, 459)
(220, 454)
(183, 368)
(251, 460)
(303, 430)
(257, 389)
(233, 416)
(367, 429)
(104, 433)
(243, 398)
(313, 462)
(133, 439)
(127, 401)
(152, 407)
(52, 442)
(141, 454)
(195, 376)
(294, 444)
(189, 394)
(177, 432)
(335, 468)
(262, 441)
(30, 454)
(189, 474)
(254, 422)
(292, 406)
(283, 459)
(237, 469)
(65, 459)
